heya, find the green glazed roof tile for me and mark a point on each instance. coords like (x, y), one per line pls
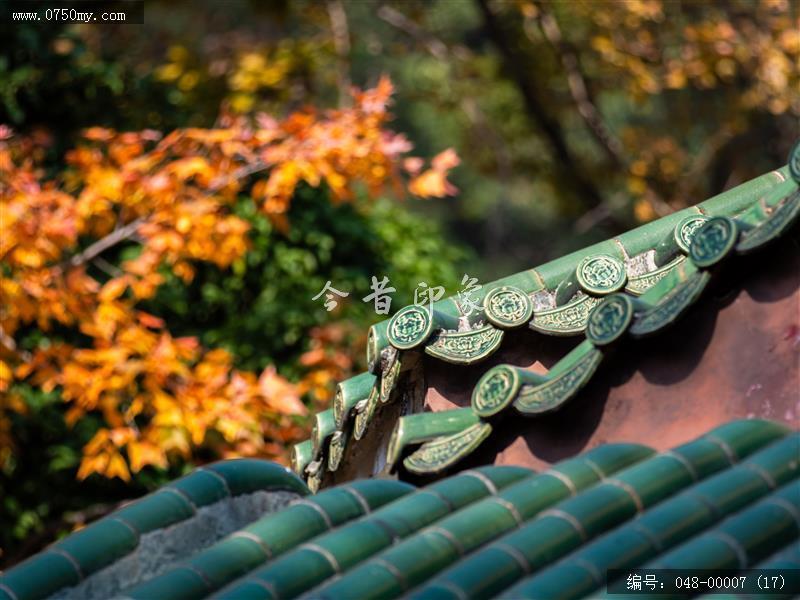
(788, 557)
(76, 557)
(225, 561)
(349, 393)
(458, 533)
(272, 536)
(182, 582)
(301, 456)
(727, 499)
(246, 475)
(465, 347)
(657, 530)
(160, 509)
(633, 285)
(40, 576)
(323, 429)
(576, 520)
(202, 487)
(412, 430)
(348, 545)
(742, 540)
(443, 452)
(114, 535)
(607, 322)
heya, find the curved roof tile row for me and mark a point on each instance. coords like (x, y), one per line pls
(726, 500)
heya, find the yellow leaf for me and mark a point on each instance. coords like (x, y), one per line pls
(117, 468)
(6, 376)
(113, 289)
(142, 454)
(91, 465)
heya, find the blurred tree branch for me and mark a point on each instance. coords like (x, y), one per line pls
(565, 162)
(128, 231)
(341, 43)
(441, 51)
(436, 47)
(704, 161)
(578, 86)
(117, 236)
(475, 115)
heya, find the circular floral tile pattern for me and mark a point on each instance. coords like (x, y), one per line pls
(410, 327)
(713, 241)
(609, 320)
(495, 390)
(601, 274)
(794, 162)
(508, 306)
(686, 229)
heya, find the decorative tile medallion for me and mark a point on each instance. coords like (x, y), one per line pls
(495, 390)
(364, 416)
(410, 327)
(601, 274)
(568, 319)
(508, 307)
(713, 241)
(685, 230)
(641, 283)
(336, 449)
(338, 408)
(609, 320)
(389, 379)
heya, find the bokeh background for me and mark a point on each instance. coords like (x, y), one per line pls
(571, 122)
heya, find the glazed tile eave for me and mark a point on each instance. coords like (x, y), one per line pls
(631, 286)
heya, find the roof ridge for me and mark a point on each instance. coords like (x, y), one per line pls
(634, 284)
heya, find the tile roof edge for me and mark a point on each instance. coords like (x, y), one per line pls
(747, 217)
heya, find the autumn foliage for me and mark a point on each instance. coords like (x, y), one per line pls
(171, 197)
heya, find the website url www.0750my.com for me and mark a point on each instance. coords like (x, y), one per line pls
(79, 11)
(69, 15)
